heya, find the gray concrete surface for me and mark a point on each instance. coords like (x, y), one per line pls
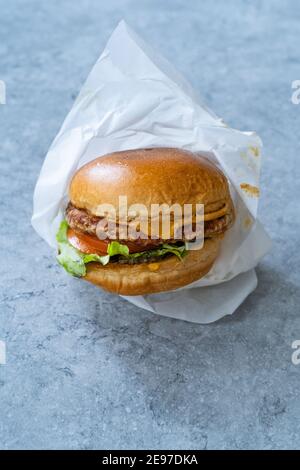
(86, 369)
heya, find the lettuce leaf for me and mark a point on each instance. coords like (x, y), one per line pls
(71, 259)
(115, 248)
(88, 258)
(74, 261)
(179, 251)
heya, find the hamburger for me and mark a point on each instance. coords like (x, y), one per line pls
(143, 262)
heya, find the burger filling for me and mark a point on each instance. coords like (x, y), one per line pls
(74, 260)
(79, 245)
(83, 221)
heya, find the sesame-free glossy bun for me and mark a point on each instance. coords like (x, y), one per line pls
(165, 275)
(150, 176)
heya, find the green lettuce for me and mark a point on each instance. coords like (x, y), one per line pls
(115, 248)
(70, 258)
(179, 251)
(74, 261)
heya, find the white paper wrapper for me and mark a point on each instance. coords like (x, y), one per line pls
(134, 98)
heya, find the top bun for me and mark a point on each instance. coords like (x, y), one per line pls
(150, 176)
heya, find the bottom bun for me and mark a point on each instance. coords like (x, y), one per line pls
(149, 278)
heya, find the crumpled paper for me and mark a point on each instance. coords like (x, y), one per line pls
(134, 98)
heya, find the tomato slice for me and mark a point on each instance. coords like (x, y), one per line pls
(87, 243)
(90, 244)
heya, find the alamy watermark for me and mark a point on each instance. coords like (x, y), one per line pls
(2, 92)
(2, 352)
(164, 221)
(295, 98)
(296, 353)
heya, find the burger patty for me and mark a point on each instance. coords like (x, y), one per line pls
(84, 221)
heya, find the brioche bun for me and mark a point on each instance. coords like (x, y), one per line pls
(150, 176)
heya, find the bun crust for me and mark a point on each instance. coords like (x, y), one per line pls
(168, 274)
(150, 176)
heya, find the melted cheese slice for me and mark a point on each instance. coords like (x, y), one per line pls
(166, 230)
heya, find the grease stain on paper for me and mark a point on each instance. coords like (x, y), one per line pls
(252, 191)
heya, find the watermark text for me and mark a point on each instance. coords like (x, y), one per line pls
(296, 353)
(2, 92)
(2, 352)
(295, 98)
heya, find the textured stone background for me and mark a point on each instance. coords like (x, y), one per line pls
(86, 369)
